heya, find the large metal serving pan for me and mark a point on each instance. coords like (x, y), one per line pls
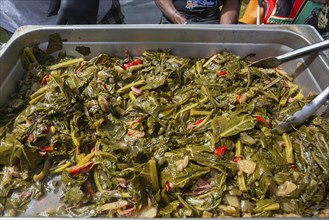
(183, 40)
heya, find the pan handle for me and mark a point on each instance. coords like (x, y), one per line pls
(303, 51)
(299, 117)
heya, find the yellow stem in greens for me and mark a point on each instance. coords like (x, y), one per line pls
(238, 148)
(65, 64)
(127, 87)
(62, 167)
(241, 176)
(132, 96)
(44, 172)
(194, 112)
(268, 207)
(202, 101)
(86, 159)
(97, 182)
(35, 97)
(154, 175)
(242, 182)
(288, 149)
(27, 52)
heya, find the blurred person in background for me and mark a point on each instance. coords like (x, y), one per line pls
(86, 12)
(199, 11)
(16, 13)
(312, 12)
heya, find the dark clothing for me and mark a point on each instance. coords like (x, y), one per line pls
(197, 11)
(114, 15)
(85, 11)
(77, 12)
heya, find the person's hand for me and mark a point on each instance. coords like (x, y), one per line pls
(168, 9)
(77, 12)
(230, 12)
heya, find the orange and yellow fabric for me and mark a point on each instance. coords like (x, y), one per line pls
(250, 15)
(312, 12)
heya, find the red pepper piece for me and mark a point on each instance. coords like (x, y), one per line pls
(125, 66)
(134, 63)
(195, 124)
(220, 151)
(31, 138)
(135, 133)
(82, 168)
(136, 121)
(137, 62)
(292, 166)
(168, 188)
(238, 98)
(47, 149)
(104, 86)
(262, 120)
(236, 159)
(222, 73)
(45, 79)
(79, 68)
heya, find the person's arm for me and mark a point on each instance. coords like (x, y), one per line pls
(230, 12)
(168, 9)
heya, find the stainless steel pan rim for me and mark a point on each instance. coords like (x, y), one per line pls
(191, 40)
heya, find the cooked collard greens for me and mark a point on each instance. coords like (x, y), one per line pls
(160, 135)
